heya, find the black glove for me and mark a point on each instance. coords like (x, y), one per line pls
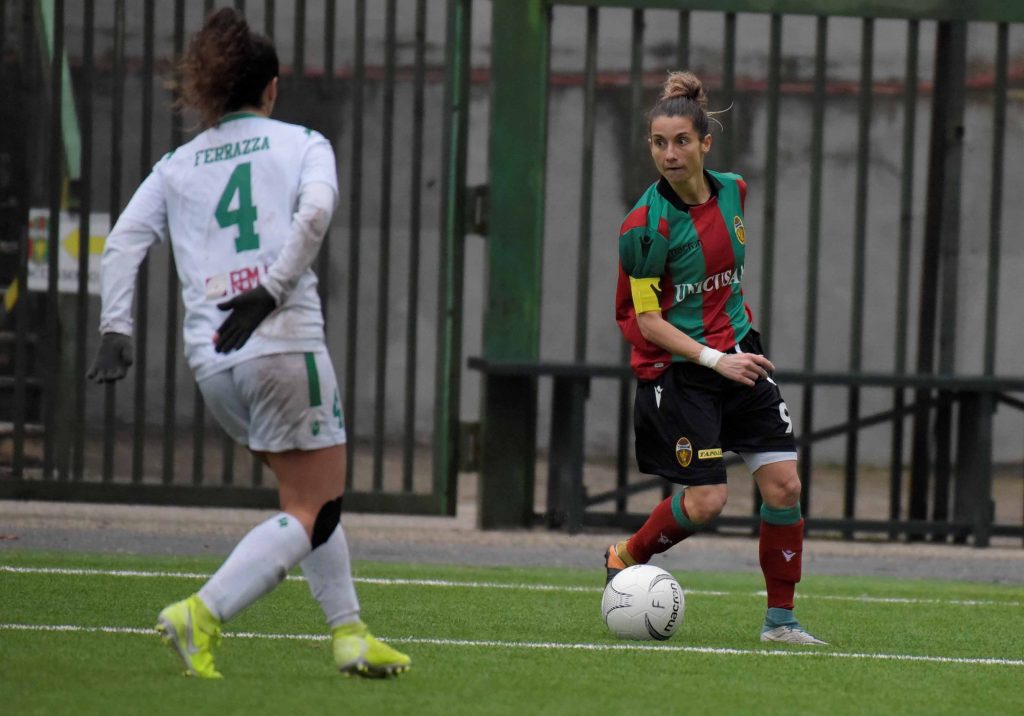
(112, 359)
(248, 309)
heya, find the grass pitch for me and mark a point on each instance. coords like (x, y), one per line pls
(76, 637)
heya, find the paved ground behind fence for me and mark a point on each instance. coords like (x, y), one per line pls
(121, 529)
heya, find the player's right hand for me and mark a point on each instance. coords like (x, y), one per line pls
(746, 368)
(112, 359)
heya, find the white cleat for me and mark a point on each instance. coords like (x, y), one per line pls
(790, 634)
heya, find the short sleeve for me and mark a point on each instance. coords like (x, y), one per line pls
(642, 250)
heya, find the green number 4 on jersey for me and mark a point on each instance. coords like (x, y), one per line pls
(244, 217)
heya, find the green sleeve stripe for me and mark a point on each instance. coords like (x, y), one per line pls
(314, 381)
(781, 516)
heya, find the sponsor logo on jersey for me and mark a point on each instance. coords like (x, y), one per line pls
(737, 227)
(711, 454)
(231, 150)
(234, 282)
(711, 283)
(217, 286)
(684, 451)
(244, 279)
(684, 249)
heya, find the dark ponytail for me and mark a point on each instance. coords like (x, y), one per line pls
(226, 67)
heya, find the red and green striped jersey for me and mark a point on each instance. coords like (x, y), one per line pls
(696, 253)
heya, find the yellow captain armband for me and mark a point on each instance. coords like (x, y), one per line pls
(646, 294)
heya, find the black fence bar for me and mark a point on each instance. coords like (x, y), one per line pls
(955, 67)
(771, 172)
(323, 259)
(859, 260)
(27, 88)
(415, 214)
(903, 267)
(586, 187)
(683, 41)
(384, 265)
(256, 465)
(84, 232)
(198, 436)
(116, 161)
(227, 468)
(451, 251)
(55, 185)
(728, 98)
(925, 363)
(142, 281)
(171, 327)
(354, 227)
(813, 252)
(268, 18)
(995, 214)
(636, 70)
(299, 57)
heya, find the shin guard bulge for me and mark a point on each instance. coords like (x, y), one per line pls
(668, 525)
(780, 551)
(258, 563)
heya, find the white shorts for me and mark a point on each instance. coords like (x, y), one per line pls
(278, 402)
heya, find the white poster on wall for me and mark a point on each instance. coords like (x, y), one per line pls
(69, 244)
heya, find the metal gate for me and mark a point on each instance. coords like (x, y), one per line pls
(879, 215)
(388, 84)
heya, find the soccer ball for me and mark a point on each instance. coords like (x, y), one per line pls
(643, 602)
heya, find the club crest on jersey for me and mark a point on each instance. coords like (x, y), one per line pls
(737, 227)
(684, 451)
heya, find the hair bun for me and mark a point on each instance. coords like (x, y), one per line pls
(684, 84)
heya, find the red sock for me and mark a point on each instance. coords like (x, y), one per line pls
(660, 531)
(780, 550)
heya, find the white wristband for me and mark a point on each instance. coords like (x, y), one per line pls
(709, 357)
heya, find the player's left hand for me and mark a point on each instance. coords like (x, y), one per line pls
(248, 309)
(113, 358)
(746, 368)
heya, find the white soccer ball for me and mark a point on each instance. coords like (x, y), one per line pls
(643, 602)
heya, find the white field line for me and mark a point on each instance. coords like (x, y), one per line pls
(864, 599)
(550, 645)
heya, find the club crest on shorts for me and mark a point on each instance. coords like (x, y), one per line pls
(684, 451)
(737, 226)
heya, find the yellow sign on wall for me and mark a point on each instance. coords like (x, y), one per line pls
(69, 245)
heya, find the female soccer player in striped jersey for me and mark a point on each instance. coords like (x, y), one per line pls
(246, 205)
(703, 384)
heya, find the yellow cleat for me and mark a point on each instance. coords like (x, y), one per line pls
(357, 651)
(192, 632)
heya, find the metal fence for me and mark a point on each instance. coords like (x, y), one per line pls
(927, 369)
(90, 79)
(898, 360)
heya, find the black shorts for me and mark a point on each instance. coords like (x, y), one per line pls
(688, 416)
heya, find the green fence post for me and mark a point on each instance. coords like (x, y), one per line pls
(520, 37)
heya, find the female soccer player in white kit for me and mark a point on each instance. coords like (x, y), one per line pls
(246, 205)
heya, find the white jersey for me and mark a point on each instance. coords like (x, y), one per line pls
(226, 200)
